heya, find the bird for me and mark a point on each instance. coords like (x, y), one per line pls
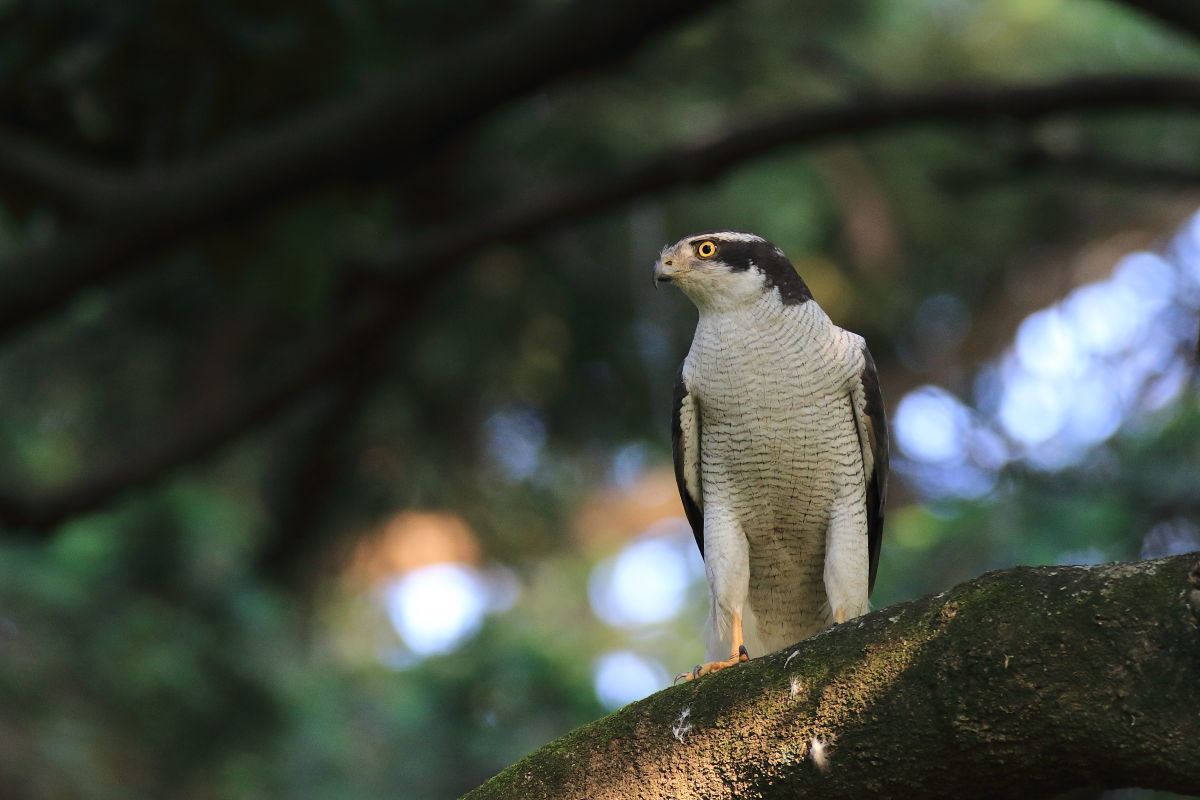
(780, 446)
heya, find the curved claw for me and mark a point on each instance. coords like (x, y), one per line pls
(703, 669)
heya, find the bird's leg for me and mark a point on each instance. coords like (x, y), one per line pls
(846, 559)
(739, 654)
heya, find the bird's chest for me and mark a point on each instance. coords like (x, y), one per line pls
(762, 375)
(774, 413)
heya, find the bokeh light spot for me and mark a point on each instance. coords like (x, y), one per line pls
(514, 439)
(623, 676)
(643, 584)
(930, 423)
(435, 608)
(1047, 345)
(1031, 411)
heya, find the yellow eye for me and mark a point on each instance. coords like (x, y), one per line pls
(706, 249)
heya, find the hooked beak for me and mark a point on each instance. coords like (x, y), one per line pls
(664, 269)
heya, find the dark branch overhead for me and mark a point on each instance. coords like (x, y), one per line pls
(1117, 170)
(168, 207)
(32, 167)
(333, 143)
(428, 261)
(32, 512)
(708, 159)
(360, 139)
(314, 469)
(1181, 14)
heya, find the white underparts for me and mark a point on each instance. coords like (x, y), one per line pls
(781, 468)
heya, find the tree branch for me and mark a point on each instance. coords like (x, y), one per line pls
(313, 473)
(1181, 14)
(705, 160)
(374, 133)
(1021, 683)
(30, 512)
(31, 167)
(1076, 166)
(428, 260)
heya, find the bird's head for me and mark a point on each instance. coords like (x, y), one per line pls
(723, 270)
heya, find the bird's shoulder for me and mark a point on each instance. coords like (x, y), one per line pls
(854, 349)
(843, 353)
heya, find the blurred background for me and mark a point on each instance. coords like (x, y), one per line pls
(334, 451)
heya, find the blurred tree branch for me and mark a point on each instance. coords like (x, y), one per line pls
(1077, 165)
(428, 261)
(1021, 683)
(314, 470)
(1182, 14)
(32, 167)
(379, 131)
(705, 160)
(28, 511)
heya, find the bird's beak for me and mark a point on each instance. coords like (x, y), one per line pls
(664, 268)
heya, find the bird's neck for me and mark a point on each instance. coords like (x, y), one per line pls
(738, 292)
(765, 306)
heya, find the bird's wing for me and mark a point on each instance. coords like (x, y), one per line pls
(871, 421)
(685, 445)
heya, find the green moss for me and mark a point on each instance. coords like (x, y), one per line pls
(751, 726)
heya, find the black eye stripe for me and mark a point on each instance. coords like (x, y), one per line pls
(759, 254)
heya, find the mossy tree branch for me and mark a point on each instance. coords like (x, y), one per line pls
(1025, 682)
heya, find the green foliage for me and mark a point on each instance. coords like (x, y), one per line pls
(211, 690)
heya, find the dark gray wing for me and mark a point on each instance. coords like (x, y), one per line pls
(873, 440)
(685, 446)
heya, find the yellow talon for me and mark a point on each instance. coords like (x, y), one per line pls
(739, 655)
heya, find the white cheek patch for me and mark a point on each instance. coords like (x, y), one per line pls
(719, 288)
(747, 284)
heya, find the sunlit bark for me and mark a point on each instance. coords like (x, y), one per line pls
(1025, 682)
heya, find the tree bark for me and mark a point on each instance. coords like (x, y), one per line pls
(1025, 682)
